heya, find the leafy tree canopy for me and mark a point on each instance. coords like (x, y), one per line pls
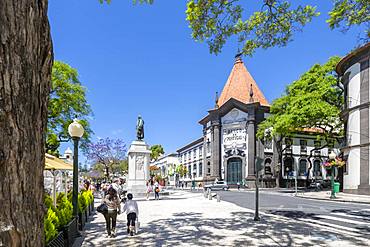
(157, 150)
(67, 101)
(273, 23)
(313, 101)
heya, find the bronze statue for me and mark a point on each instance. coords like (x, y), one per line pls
(140, 128)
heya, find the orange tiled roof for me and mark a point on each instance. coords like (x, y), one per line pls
(238, 86)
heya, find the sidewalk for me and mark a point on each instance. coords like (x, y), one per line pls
(340, 197)
(189, 219)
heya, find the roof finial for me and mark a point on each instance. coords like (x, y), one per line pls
(238, 56)
(216, 100)
(251, 94)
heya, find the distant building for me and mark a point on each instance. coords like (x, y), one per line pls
(167, 166)
(354, 72)
(228, 147)
(191, 156)
(67, 156)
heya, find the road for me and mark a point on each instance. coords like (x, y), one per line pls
(349, 217)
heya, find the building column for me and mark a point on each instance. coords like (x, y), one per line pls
(364, 126)
(251, 131)
(216, 148)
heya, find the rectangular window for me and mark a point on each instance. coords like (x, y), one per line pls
(303, 144)
(200, 169)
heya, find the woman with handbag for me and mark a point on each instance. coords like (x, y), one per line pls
(113, 203)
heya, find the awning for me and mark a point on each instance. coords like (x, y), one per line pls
(53, 163)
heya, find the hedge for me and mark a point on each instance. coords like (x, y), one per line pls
(57, 217)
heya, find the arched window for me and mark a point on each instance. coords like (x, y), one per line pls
(288, 166)
(268, 170)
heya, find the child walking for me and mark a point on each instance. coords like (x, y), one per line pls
(132, 211)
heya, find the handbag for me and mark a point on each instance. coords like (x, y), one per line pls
(157, 190)
(102, 208)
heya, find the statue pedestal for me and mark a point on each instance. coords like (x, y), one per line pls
(138, 167)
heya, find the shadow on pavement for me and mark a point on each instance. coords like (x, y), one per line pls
(193, 229)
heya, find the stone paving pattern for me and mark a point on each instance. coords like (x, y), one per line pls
(188, 219)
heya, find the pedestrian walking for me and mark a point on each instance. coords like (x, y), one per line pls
(132, 211)
(148, 189)
(238, 184)
(156, 190)
(113, 203)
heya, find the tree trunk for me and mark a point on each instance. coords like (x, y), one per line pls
(25, 76)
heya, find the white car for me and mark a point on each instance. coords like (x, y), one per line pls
(219, 185)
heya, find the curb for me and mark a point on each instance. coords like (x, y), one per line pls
(332, 200)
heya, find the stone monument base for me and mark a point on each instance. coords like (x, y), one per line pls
(138, 168)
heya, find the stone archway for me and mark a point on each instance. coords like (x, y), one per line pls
(234, 171)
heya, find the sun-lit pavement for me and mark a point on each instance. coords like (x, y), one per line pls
(188, 219)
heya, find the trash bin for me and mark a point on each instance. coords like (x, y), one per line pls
(336, 187)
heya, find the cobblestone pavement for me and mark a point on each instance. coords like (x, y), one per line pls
(189, 219)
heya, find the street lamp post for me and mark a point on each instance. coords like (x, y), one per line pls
(76, 131)
(332, 156)
(296, 180)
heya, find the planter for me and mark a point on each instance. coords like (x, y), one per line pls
(70, 232)
(81, 221)
(58, 241)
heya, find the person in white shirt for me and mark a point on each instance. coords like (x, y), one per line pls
(132, 211)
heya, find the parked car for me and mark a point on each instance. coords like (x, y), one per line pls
(219, 185)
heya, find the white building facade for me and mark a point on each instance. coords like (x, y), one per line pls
(167, 166)
(228, 147)
(191, 156)
(354, 73)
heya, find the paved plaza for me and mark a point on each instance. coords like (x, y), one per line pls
(188, 219)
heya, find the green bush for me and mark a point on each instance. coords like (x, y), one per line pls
(64, 210)
(82, 203)
(51, 224)
(88, 196)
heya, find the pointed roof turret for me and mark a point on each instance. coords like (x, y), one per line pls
(241, 86)
(216, 100)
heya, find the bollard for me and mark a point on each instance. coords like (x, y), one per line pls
(218, 198)
(209, 196)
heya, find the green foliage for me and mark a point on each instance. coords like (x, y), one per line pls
(157, 150)
(67, 101)
(271, 23)
(48, 201)
(51, 224)
(347, 13)
(82, 202)
(64, 210)
(215, 21)
(181, 170)
(313, 101)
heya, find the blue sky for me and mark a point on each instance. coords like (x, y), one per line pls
(141, 60)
